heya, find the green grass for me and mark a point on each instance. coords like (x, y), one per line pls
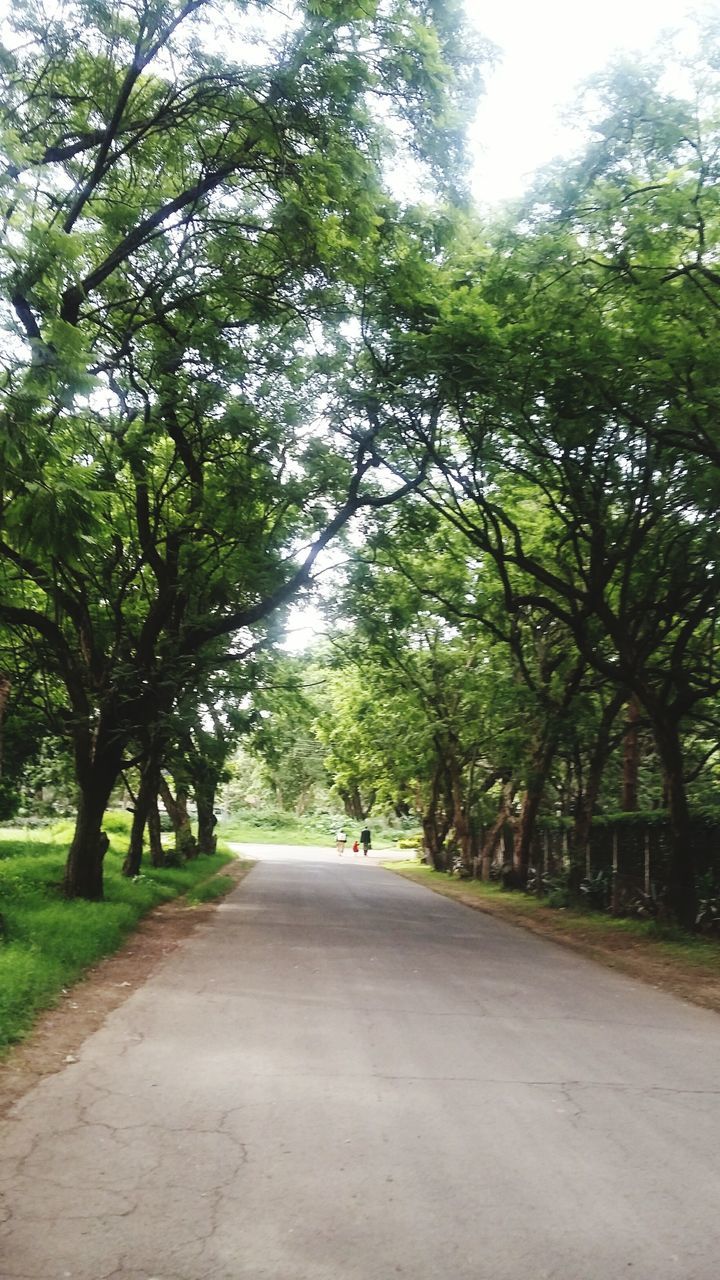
(285, 828)
(47, 941)
(211, 889)
(670, 940)
(271, 829)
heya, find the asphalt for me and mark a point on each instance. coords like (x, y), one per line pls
(346, 1077)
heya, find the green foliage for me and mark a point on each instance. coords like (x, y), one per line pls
(286, 702)
(559, 898)
(258, 826)
(573, 349)
(116, 822)
(708, 815)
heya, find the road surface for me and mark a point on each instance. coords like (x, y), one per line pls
(346, 1077)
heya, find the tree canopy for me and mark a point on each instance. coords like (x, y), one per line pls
(226, 336)
(187, 232)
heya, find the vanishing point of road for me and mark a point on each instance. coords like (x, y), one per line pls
(343, 1076)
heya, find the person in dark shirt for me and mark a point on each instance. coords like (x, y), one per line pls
(365, 839)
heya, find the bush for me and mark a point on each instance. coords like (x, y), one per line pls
(118, 822)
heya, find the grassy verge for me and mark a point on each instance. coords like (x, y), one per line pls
(247, 831)
(278, 828)
(47, 942)
(211, 889)
(661, 954)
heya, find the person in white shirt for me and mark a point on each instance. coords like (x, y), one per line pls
(340, 839)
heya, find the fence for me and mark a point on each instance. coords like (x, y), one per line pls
(634, 847)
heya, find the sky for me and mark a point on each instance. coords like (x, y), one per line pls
(548, 47)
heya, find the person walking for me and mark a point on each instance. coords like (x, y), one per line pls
(340, 839)
(365, 840)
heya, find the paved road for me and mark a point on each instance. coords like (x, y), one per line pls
(346, 1077)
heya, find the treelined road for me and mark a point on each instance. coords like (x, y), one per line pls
(344, 1076)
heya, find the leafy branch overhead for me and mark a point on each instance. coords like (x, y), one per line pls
(194, 202)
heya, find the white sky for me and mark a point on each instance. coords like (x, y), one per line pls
(548, 47)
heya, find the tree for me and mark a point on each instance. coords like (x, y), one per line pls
(520, 670)
(576, 355)
(288, 697)
(172, 243)
(425, 713)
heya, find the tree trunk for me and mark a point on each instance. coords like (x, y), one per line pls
(353, 804)
(542, 758)
(434, 828)
(459, 812)
(133, 857)
(537, 777)
(185, 844)
(492, 839)
(157, 853)
(682, 892)
(525, 831)
(596, 768)
(98, 759)
(147, 792)
(631, 757)
(205, 801)
(185, 838)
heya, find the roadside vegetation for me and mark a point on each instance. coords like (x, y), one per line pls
(48, 941)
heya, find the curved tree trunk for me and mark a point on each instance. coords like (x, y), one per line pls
(147, 793)
(185, 843)
(492, 838)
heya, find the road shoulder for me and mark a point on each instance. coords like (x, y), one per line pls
(688, 968)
